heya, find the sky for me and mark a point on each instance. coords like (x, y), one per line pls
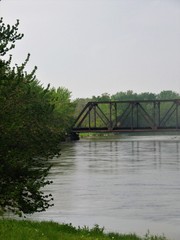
(93, 47)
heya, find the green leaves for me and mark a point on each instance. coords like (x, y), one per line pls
(33, 121)
(8, 36)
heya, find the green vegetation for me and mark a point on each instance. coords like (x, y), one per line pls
(33, 122)
(20, 230)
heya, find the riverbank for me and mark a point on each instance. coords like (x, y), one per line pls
(30, 230)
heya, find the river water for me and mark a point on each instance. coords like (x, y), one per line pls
(124, 183)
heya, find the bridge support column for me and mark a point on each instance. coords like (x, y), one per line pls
(177, 116)
(74, 136)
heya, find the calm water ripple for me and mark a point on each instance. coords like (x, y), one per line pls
(125, 183)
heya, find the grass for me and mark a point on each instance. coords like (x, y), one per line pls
(95, 135)
(30, 230)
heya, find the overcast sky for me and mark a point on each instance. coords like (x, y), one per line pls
(97, 46)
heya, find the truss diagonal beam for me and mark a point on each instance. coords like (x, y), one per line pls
(147, 117)
(89, 107)
(168, 114)
(121, 118)
(99, 115)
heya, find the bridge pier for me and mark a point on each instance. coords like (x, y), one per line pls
(74, 136)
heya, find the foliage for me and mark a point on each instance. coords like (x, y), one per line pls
(79, 105)
(63, 108)
(130, 95)
(8, 36)
(167, 95)
(50, 230)
(104, 97)
(30, 132)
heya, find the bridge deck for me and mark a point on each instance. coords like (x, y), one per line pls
(123, 130)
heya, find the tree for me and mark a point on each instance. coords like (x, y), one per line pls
(124, 96)
(8, 36)
(168, 94)
(29, 135)
(63, 108)
(103, 98)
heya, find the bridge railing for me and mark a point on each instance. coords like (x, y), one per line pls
(144, 115)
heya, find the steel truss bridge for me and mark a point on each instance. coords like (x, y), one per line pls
(129, 116)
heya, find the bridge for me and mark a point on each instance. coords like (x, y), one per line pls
(129, 116)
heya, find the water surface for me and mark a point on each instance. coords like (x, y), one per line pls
(124, 183)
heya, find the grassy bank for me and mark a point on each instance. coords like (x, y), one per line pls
(29, 230)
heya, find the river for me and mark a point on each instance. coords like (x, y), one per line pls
(124, 183)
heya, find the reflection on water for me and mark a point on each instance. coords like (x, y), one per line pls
(127, 184)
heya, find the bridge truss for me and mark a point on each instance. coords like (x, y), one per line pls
(129, 116)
